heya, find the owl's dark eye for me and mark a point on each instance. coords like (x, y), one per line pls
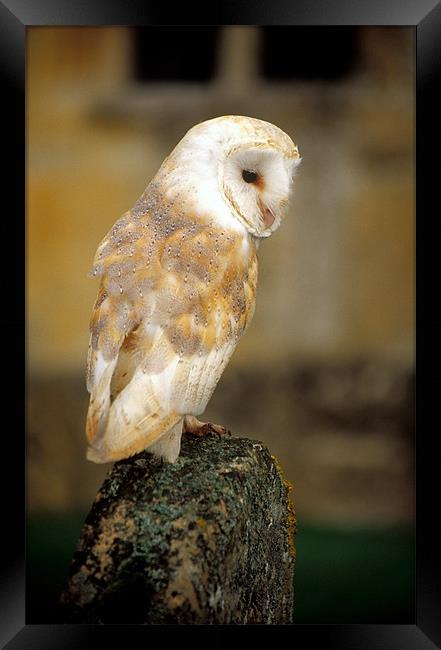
(249, 177)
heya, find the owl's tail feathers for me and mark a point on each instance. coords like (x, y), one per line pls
(95, 456)
(161, 436)
(99, 404)
(137, 418)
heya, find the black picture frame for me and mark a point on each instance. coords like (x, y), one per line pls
(15, 17)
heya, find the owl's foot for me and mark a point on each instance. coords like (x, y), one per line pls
(197, 428)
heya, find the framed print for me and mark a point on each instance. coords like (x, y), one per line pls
(97, 101)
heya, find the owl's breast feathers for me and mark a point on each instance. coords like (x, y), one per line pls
(177, 291)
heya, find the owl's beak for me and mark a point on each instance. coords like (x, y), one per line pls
(268, 216)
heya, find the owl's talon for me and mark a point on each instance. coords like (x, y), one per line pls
(197, 428)
(217, 430)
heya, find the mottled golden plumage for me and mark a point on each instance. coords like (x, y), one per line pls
(178, 277)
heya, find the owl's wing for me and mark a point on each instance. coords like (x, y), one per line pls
(123, 397)
(165, 324)
(106, 339)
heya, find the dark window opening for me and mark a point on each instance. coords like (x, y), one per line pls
(175, 53)
(322, 53)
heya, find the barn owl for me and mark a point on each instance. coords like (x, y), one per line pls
(178, 276)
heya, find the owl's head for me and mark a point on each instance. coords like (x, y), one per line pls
(237, 167)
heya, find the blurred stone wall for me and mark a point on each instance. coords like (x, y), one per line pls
(324, 375)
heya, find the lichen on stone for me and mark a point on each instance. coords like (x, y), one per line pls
(209, 539)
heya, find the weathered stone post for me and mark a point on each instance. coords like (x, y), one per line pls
(209, 539)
